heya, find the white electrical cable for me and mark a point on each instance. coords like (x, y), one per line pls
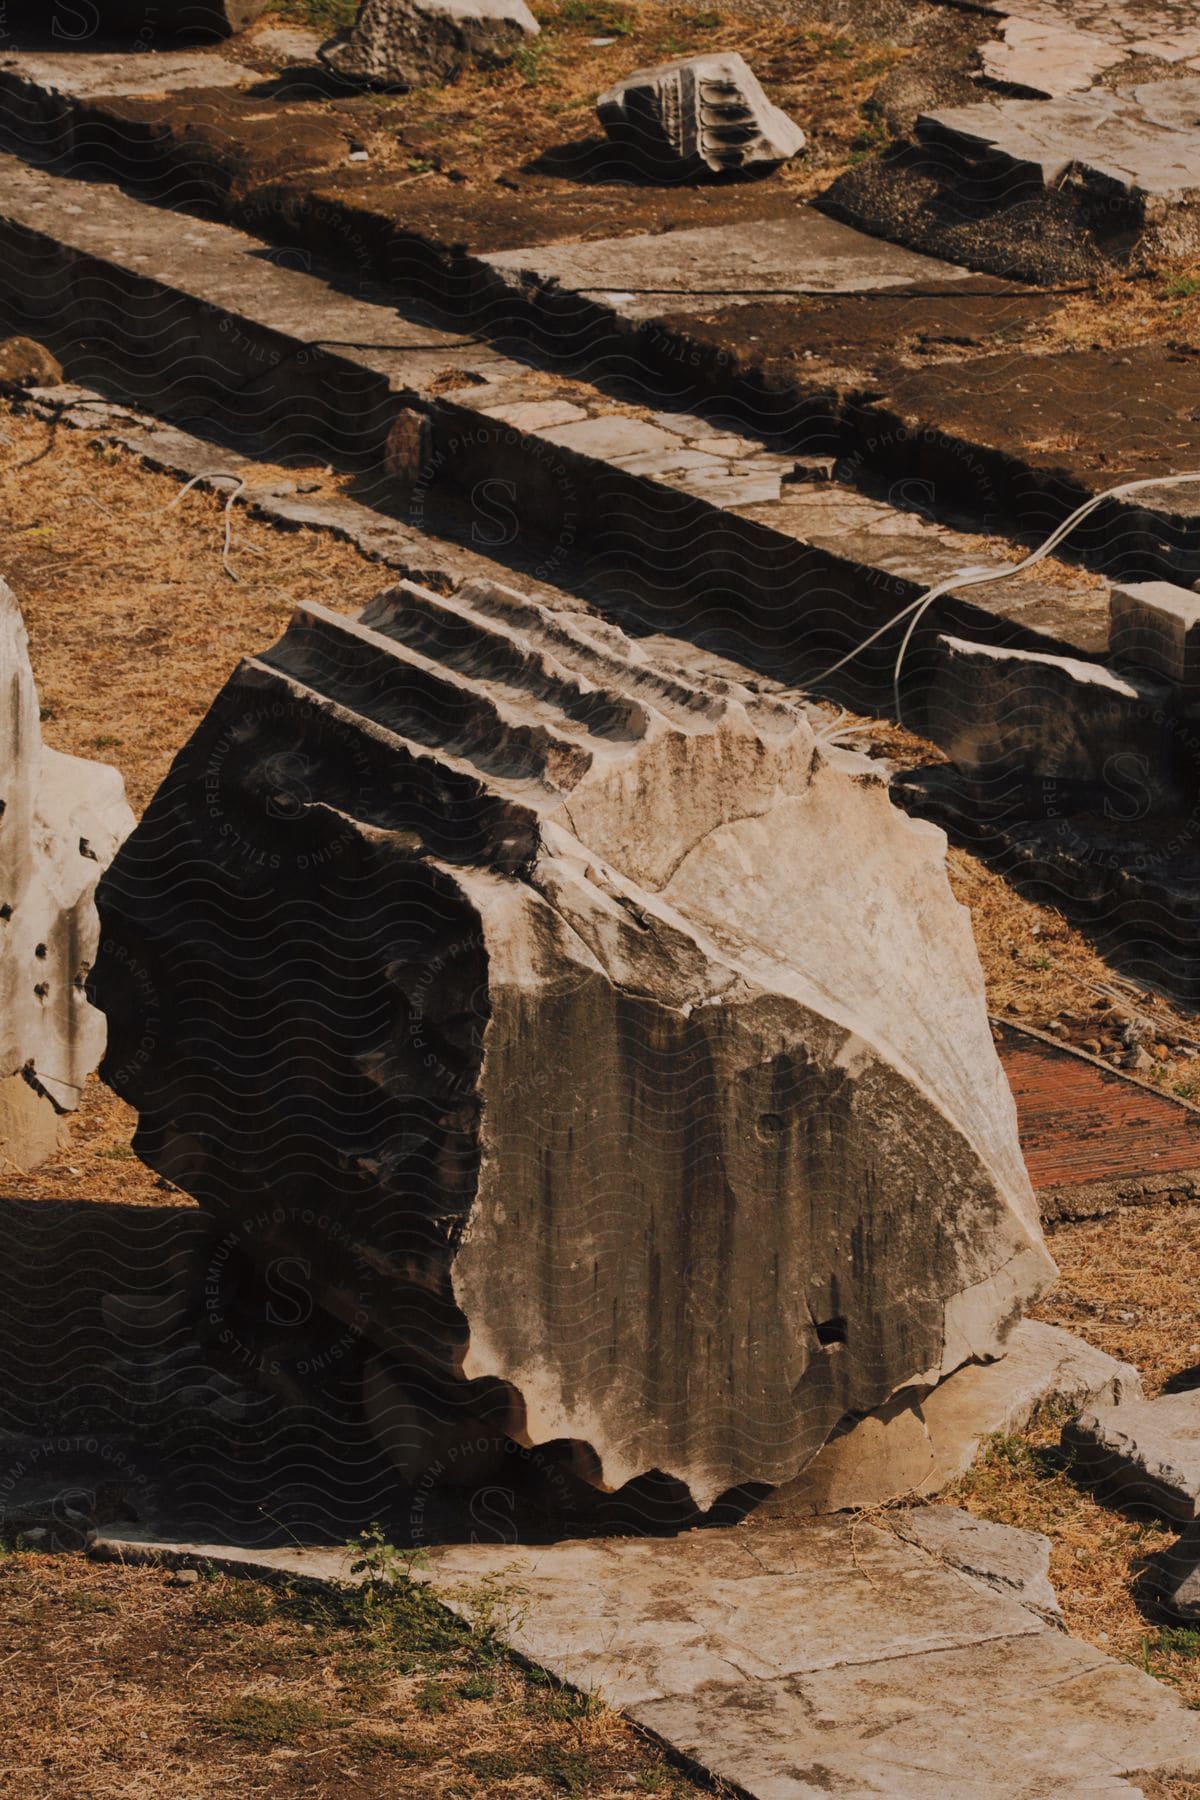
(977, 577)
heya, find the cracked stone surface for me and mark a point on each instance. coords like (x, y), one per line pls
(573, 1036)
(1143, 143)
(61, 821)
(1107, 35)
(700, 113)
(408, 43)
(803, 253)
(830, 1658)
(1013, 1562)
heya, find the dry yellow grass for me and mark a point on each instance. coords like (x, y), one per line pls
(115, 1685)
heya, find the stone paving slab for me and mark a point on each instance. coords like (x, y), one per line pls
(1166, 29)
(802, 253)
(1144, 143)
(121, 75)
(835, 1657)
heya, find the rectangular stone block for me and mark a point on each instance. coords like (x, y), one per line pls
(1155, 625)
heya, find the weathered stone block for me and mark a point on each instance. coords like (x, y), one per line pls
(1155, 625)
(1141, 1453)
(61, 819)
(408, 43)
(633, 1040)
(1003, 715)
(700, 113)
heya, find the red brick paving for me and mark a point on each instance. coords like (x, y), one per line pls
(1079, 1123)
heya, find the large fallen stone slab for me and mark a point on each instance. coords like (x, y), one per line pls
(829, 1658)
(410, 43)
(61, 820)
(1039, 187)
(916, 1444)
(633, 1039)
(698, 114)
(1141, 1453)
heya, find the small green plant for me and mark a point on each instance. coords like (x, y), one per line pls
(604, 18)
(93, 1603)
(1181, 287)
(478, 1686)
(234, 1602)
(420, 165)
(530, 59)
(432, 1698)
(1180, 1640)
(571, 1704)
(870, 137)
(267, 1718)
(383, 1564)
(496, 1608)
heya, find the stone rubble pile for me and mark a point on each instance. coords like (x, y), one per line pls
(629, 1038)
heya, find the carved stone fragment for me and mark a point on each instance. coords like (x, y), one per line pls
(613, 1054)
(700, 113)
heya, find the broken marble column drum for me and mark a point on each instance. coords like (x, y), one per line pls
(61, 820)
(632, 1038)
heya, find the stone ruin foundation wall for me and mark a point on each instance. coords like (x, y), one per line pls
(613, 1054)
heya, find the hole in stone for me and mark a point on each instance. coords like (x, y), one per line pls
(42, 989)
(6, 911)
(833, 1331)
(41, 950)
(769, 1125)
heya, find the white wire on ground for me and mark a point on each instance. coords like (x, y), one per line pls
(204, 475)
(978, 577)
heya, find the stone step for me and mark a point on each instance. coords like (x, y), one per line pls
(685, 529)
(718, 299)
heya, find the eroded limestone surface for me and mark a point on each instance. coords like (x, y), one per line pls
(405, 43)
(61, 819)
(630, 1036)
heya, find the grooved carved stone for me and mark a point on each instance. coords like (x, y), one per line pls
(61, 820)
(631, 1038)
(703, 112)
